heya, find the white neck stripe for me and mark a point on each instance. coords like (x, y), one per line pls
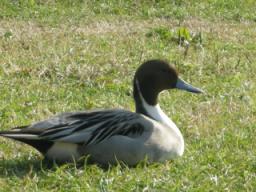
(157, 114)
(155, 111)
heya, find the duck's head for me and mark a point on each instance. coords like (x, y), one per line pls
(154, 76)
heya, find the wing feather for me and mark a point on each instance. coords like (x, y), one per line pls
(88, 127)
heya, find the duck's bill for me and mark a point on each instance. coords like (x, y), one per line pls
(183, 85)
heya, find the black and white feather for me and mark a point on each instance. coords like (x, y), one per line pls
(83, 128)
(89, 128)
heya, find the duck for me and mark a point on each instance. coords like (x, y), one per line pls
(114, 135)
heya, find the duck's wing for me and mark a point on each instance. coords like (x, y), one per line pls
(81, 127)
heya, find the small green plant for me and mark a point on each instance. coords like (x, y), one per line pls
(183, 37)
(186, 38)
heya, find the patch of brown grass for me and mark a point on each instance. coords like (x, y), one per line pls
(222, 30)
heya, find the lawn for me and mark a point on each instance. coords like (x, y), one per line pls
(58, 56)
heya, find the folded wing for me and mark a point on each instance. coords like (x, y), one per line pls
(83, 128)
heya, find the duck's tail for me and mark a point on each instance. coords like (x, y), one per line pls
(31, 139)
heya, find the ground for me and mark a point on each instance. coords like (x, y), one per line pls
(58, 56)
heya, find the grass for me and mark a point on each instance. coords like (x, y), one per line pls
(60, 56)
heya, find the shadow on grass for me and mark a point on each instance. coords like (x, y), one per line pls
(23, 167)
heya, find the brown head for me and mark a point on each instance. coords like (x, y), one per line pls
(154, 76)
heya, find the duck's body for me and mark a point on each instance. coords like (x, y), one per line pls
(106, 136)
(110, 135)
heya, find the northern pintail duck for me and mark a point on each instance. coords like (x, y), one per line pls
(110, 135)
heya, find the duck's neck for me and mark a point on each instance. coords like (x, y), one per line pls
(151, 110)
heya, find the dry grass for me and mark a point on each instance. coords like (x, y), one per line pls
(225, 30)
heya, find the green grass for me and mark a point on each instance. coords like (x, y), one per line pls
(60, 56)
